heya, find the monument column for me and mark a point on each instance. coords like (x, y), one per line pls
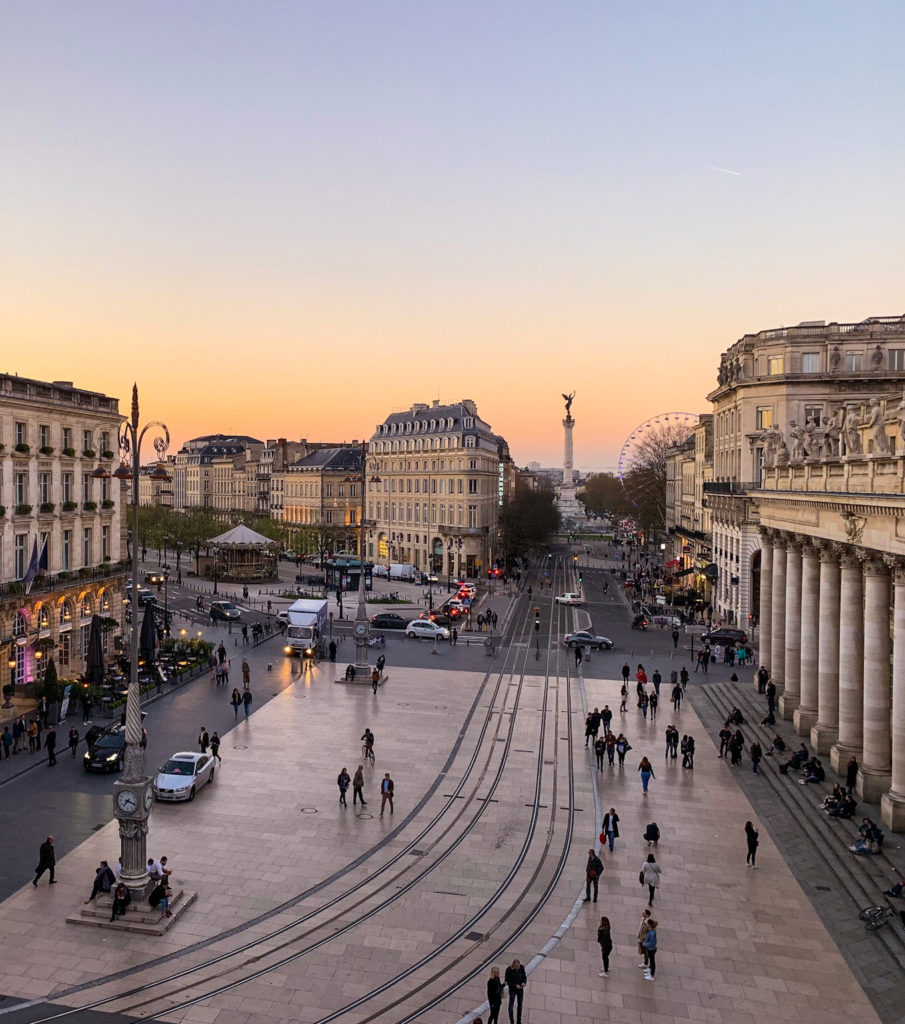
(766, 597)
(825, 731)
(567, 502)
(876, 766)
(806, 712)
(778, 625)
(892, 804)
(851, 663)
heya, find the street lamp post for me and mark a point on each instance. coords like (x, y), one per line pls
(166, 600)
(361, 628)
(132, 794)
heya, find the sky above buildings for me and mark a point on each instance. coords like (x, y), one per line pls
(288, 219)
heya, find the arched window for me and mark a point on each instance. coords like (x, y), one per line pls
(43, 618)
(66, 613)
(104, 602)
(20, 625)
(86, 607)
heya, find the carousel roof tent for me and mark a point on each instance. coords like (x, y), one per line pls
(242, 537)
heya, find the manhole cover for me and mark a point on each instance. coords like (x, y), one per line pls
(402, 704)
(240, 746)
(364, 815)
(309, 810)
(440, 707)
(475, 936)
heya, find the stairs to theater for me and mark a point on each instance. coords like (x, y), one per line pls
(139, 917)
(815, 846)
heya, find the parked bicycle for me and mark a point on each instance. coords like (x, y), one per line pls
(876, 917)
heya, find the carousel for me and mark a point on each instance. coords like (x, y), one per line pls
(240, 556)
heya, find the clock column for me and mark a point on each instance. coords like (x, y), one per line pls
(132, 802)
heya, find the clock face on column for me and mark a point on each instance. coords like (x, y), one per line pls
(149, 800)
(361, 629)
(127, 801)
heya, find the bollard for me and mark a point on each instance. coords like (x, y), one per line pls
(269, 666)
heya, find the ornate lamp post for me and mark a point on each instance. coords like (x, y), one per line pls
(362, 624)
(132, 794)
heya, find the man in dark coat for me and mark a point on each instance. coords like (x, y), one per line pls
(104, 880)
(610, 828)
(50, 745)
(593, 871)
(46, 861)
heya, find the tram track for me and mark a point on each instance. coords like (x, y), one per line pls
(256, 947)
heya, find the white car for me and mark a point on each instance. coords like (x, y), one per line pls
(568, 599)
(182, 775)
(419, 629)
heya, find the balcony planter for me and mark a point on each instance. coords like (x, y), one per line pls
(46, 449)
(89, 453)
(107, 454)
(70, 506)
(15, 588)
(69, 453)
(63, 576)
(90, 506)
(23, 510)
(47, 506)
(2, 511)
(22, 448)
(108, 503)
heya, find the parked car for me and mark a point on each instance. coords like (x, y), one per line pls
(388, 620)
(568, 599)
(424, 629)
(585, 638)
(225, 610)
(287, 556)
(725, 636)
(107, 752)
(144, 595)
(182, 775)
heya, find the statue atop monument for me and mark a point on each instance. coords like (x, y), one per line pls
(568, 399)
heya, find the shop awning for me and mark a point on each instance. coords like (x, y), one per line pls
(684, 572)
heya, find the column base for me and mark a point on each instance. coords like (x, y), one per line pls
(892, 811)
(803, 719)
(823, 737)
(840, 754)
(787, 703)
(872, 784)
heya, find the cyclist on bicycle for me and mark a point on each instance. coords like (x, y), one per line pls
(368, 739)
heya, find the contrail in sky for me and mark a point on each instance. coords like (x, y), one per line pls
(724, 170)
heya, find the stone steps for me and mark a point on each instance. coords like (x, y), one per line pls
(139, 917)
(857, 881)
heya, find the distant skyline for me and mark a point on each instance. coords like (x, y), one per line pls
(288, 219)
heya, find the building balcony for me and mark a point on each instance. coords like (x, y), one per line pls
(729, 486)
(857, 474)
(62, 580)
(462, 531)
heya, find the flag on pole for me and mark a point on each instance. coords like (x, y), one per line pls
(42, 559)
(32, 571)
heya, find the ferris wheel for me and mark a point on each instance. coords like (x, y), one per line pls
(642, 460)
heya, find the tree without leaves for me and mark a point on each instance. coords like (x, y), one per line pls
(528, 519)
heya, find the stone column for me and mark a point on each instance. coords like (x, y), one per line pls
(792, 691)
(765, 618)
(778, 625)
(892, 804)
(876, 766)
(806, 712)
(851, 663)
(825, 730)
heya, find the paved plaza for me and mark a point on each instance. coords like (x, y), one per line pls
(482, 845)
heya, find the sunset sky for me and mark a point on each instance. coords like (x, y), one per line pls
(287, 219)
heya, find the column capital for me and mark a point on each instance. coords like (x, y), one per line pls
(767, 534)
(875, 564)
(827, 551)
(850, 557)
(896, 565)
(796, 542)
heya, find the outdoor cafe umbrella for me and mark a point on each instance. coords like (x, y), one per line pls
(94, 657)
(147, 641)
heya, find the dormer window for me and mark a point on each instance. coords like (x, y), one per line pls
(468, 422)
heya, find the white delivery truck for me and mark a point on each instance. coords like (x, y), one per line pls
(307, 627)
(402, 571)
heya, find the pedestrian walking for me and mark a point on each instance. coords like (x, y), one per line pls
(246, 701)
(771, 697)
(647, 773)
(73, 740)
(494, 995)
(624, 694)
(752, 838)
(652, 703)
(215, 746)
(455, 640)
(675, 639)
(725, 737)
(756, 754)
(688, 752)
(610, 748)
(86, 710)
(650, 876)
(386, 793)
(683, 678)
(516, 980)
(50, 745)
(33, 744)
(221, 653)
(626, 672)
(677, 697)
(650, 946)
(343, 780)
(593, 870)
(47, 860)
(589, 730)
(622, 748)
(610, 831)
(6, 738)
(606, 717)
(644, 704)
(358, 785)
(642, 935)
(605, 941)
(375, 679)
(600, 752)
(236, 701)
(203, 740)
(331, 650)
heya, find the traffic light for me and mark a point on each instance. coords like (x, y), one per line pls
(580, 577)
(537, 625)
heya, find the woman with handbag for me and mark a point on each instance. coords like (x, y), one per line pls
(650, 947)
(650, 876)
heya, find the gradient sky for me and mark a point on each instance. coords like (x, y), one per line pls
(287, 219)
